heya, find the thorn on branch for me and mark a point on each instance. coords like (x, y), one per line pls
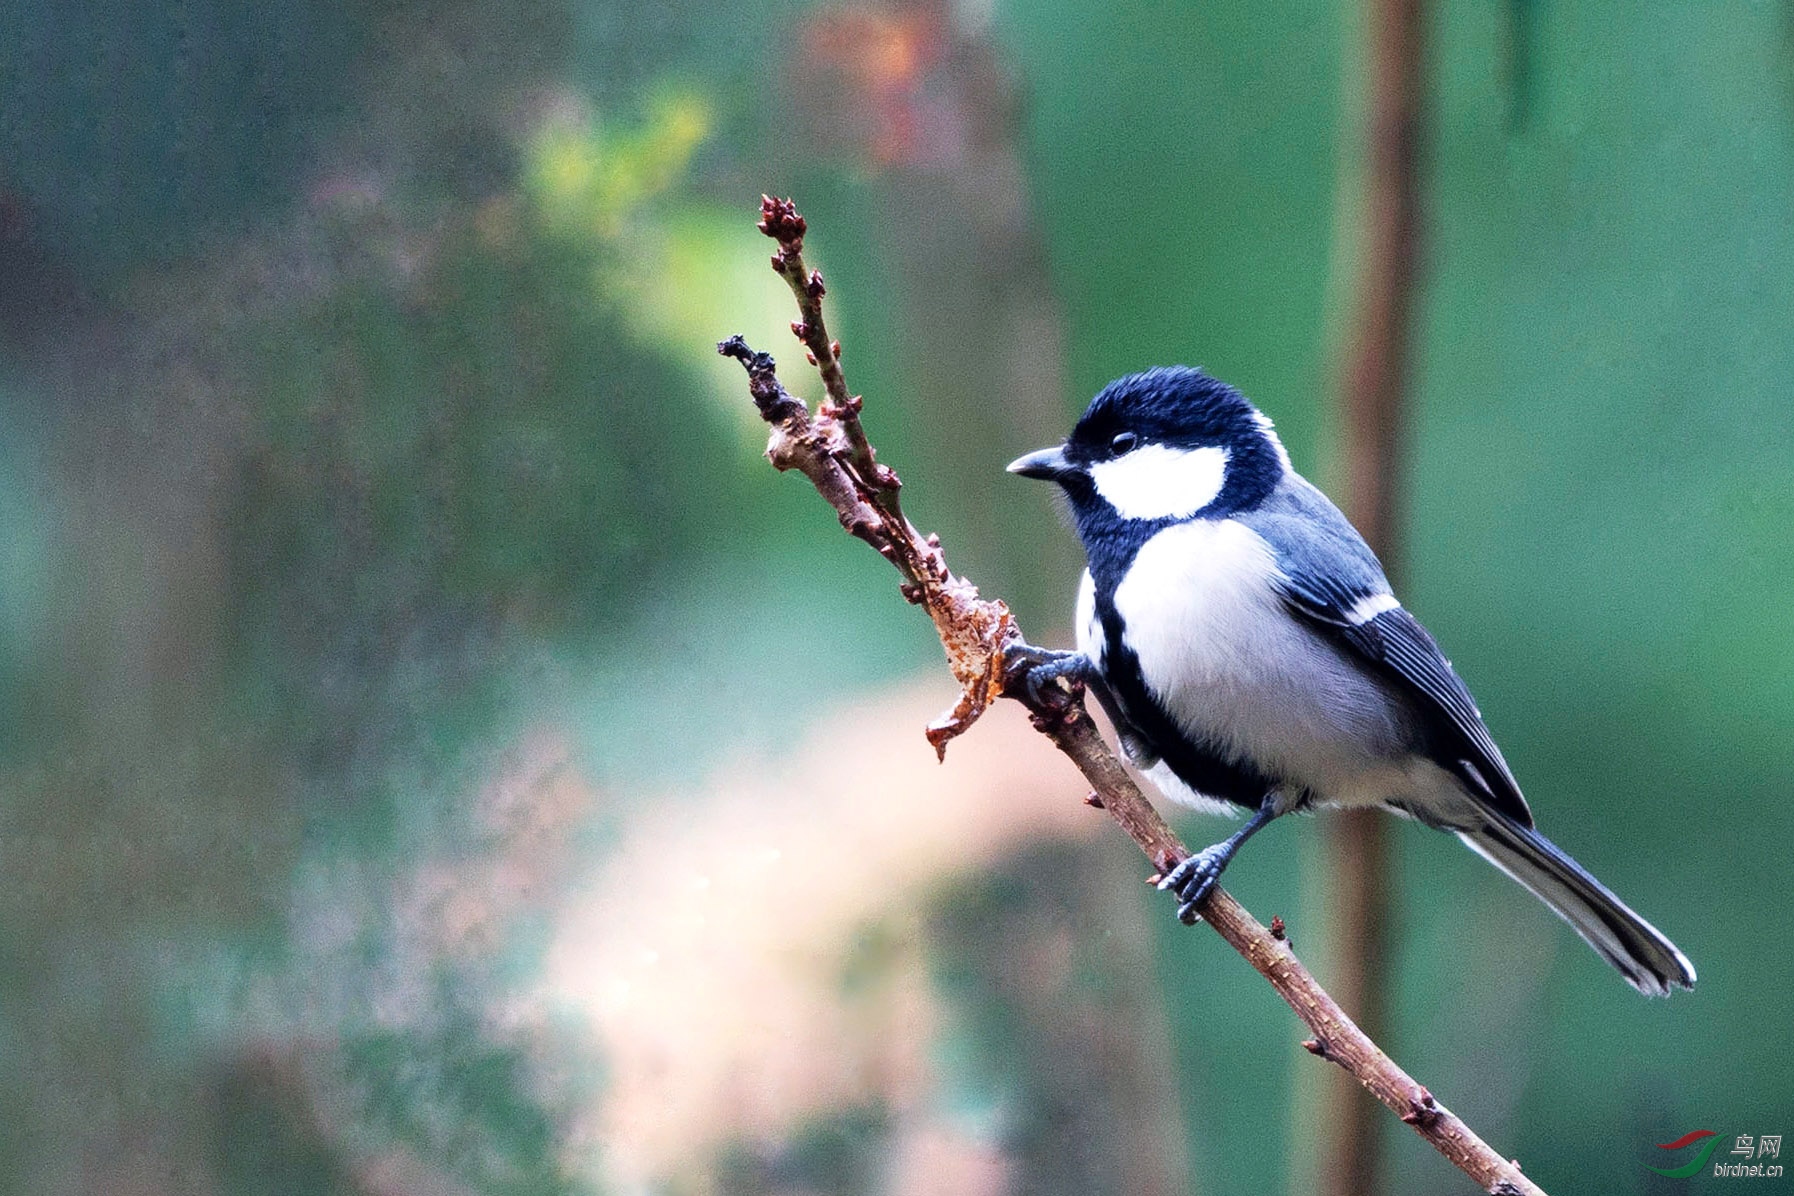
(1317, 1048)
(1094, 800)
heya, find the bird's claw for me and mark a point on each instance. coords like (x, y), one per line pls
(1192, 880)
(1034, 671)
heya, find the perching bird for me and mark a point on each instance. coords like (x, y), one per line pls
(1245, 642)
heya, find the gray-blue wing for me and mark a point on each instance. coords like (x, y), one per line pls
(1333, 581)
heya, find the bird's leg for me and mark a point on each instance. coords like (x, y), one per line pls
(1195, 876)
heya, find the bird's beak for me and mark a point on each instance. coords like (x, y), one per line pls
(1049, 465)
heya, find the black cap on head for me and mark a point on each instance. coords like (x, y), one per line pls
(1173, 405)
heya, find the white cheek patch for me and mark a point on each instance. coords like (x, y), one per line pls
(1160, 482)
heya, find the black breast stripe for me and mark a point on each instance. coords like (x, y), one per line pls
(1197, 765)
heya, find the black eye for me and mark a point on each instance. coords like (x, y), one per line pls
(1123, 443)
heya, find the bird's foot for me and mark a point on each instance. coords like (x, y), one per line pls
(1192, 879)
(1035, 673)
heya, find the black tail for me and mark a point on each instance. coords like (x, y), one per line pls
(1649, 962)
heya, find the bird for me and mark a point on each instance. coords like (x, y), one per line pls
(1246, 644)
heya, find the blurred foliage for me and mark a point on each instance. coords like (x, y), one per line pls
(382, 547)
(471, 448)
(140, 133)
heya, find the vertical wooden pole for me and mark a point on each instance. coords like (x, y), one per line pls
(1372, 380)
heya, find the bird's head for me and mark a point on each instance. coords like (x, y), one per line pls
(1161, 447)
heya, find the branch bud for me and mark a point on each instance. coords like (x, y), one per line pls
(780, 221)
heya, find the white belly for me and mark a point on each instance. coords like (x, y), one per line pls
(1229, 664)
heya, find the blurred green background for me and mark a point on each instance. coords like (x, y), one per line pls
(440, 757)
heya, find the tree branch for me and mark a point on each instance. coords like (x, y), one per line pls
(830, 448)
